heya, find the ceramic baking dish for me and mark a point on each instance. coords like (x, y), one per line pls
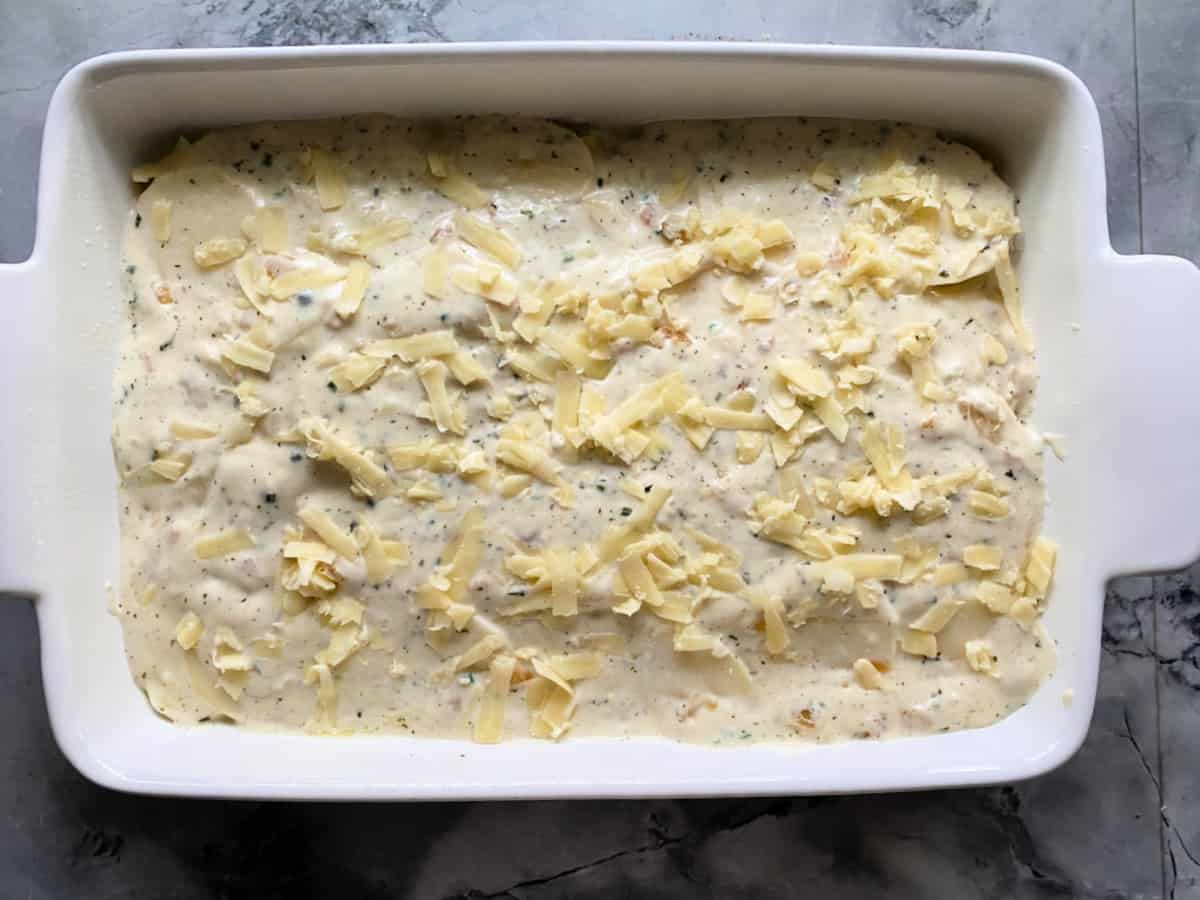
(1116, 340)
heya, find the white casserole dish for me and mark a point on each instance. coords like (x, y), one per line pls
(1115, 337)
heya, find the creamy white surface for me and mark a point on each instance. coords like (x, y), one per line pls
(591, 214)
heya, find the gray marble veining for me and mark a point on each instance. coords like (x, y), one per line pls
(1169, 98)
(1179, 689)
(1169, 104)
(1119, 820)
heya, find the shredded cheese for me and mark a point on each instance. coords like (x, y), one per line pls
(979, 656)
(564, 584)
(228, 652)
(341, 610)
(465, 368)
(171, 466)
(824, 176)
(432, 373)
(489, 724)
(326, 708)
(197, 431)
(993, 352)
(777, 636)
(188, 630)
(223, 543)
(803, 379)
(329, 180)
(1006, 277)
(271, 229)
(328, 531)
(415, 347)
(488, 239)
(983, 557)
(735, 420)
(160, 220)
(455, 186)
(886, 566)
(1040, 568)
(987, 506)
(488, 281)
(528, 457)
(919, 643)
(354, 288)
(480, 652)
(435, 272)
(446, 586)
(249, 354)
(324, 444)
(996, 597)
(950, 573)
(938, 616)
(378, 561)
(217, 251)
(307, 277)
(867, 676)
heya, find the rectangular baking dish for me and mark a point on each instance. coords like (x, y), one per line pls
(1116, 339)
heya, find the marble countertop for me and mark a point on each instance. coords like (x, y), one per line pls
(1119, 820)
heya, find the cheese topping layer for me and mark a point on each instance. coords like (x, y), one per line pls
(491, 427)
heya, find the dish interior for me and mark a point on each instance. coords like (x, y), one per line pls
(1037, 126)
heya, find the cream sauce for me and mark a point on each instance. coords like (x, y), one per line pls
(588, 209)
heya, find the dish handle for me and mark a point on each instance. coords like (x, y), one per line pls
(24, 375)
(1146, 446)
